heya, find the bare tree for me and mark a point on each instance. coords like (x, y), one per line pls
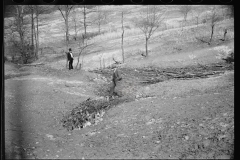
(123, 12)
(31, 10)
(36, 30)
(185, 9)
(101, 18)
(123, 58)
(83, 45)
(196, 15)
(75, 23)
(17, 33)
(149, 21)
(85, 11)
(65, 11)
(213, 19)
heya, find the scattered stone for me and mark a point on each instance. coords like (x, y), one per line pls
(206, 143)
(201, 125)
(225, 114)
(186, 137)
(91, 133)
(223, 125)
(150, 122)
(220, 137)
(50, 137)
(196, 146)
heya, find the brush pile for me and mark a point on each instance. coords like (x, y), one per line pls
(88, 112)
(229, 58)
(152, 75)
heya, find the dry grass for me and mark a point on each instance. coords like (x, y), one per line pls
(165, 41)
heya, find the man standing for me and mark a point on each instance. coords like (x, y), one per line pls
(115, 79)
(70, 59)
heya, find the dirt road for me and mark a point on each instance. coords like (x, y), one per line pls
(183, 119)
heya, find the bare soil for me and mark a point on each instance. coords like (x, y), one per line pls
(172, 118)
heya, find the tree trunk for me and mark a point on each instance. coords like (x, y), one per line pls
(66, 60)
(122, 40)
(37, 46)
(225, 33)
(146, 45)
(32, 47)
(197, 21)
(99, 27)
(78, 61)
(66, 25)
(103, 63)
(99, 20)
(67, 38)
(84, 20)
(75, 27)
(82, 62)
(20, 31)
(35, 39)
(100, 61)
(211, 34)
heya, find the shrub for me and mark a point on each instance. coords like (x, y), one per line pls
(204, 21)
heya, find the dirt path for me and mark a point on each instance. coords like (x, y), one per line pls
(179, 120)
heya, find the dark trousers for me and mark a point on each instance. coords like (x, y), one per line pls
(114, 83)
(70, 64)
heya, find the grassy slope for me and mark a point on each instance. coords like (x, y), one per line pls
(108, 45)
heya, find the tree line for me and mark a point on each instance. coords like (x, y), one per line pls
(23, 26)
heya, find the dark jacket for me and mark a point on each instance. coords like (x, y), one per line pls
(69, 57)
(116, 76)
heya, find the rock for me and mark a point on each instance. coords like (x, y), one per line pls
(220, 137)
(225, 114)
(201, 125)
(196, 146)
(206, 143)
(50, 137)
(223, 125)
(223, 157)
(186, 137)
(138, 96)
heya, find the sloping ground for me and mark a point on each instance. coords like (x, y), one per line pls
(182, 121)
(173, 119)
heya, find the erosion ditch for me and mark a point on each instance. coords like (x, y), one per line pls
(90, 112)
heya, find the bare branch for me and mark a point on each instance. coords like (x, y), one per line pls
(61, 13)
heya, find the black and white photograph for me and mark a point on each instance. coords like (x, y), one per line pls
(118, 81)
